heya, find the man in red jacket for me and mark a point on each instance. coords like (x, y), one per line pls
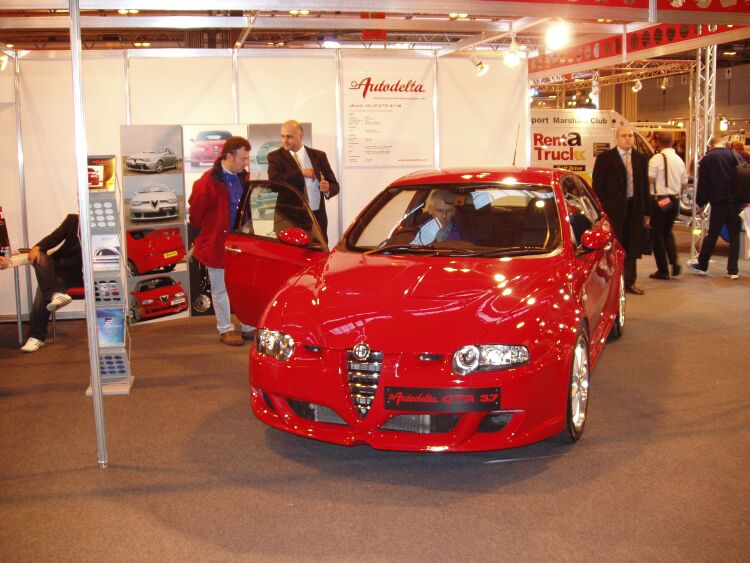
(214, 202)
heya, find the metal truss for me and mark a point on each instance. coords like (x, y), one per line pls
(704, 113)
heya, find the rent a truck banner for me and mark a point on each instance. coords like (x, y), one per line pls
(568, 139)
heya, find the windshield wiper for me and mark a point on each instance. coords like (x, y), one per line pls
(417, 249)
(510, 251)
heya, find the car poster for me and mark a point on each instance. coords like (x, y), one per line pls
(154, 211)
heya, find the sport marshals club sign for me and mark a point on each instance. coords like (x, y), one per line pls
(388, 118)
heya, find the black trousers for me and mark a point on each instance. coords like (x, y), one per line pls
(665, 250)
(723, 212)
(51, 279)
(630, 273)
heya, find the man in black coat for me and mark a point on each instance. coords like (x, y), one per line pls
(623, 192)
(306, 169)
(715, 177)
(55, 273)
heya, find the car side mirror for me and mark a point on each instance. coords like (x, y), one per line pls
(295, 236)
(596, 239)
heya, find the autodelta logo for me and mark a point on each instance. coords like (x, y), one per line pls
(367, 85)
(562, 147)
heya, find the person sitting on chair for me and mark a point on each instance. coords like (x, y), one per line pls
(54, 275)
(440, 204)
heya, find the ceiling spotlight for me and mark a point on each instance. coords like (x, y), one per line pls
(511, 58)
(331, 43)
(479, 66)
(456, 16)
(558, 36)
(637, 85)
(680, 124)
(299, 12)
(9, 45)
(663, 83)
(723, 124)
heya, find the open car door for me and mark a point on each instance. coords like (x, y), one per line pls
(276, 238)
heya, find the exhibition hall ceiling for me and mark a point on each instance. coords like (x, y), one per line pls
(495, 27)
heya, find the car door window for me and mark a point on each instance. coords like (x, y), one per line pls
(581, 207)
(269, 209)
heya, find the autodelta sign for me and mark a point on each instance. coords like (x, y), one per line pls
(569, 139)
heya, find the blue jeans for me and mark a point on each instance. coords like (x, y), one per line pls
(220, 299)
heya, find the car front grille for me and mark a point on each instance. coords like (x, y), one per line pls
(363, 377)
(421, 423)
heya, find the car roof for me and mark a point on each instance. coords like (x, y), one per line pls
(483, 175)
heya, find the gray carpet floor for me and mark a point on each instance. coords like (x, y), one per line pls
(661, 473)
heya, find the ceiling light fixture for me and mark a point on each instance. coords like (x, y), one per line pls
(663, 83)
(331, 43)
(637, 85)
(457, 16)
(511, 57)
(299, 12)
(557, 36)
(480, 67)
(723, 124)
(729, 53)
(3, 62)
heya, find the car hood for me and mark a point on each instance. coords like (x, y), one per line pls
(407, 303)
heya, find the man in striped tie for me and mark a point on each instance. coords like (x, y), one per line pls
(304, 168)
(621, 183)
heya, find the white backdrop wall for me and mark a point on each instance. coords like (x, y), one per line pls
(477, 118)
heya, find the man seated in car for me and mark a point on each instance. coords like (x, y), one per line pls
(440, 204)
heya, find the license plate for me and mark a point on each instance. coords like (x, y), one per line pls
(442, 400)
(170, 254)
(178, 301)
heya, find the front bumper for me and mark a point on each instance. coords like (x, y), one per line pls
(311, 397)
(161, 213)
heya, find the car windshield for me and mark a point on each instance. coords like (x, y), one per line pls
(451, 220)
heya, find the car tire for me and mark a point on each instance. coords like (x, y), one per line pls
(686, 200)
(578, 392)
(169, 267)
(619, 326)
(202, 303)
(136, 315)
(159, 167)
(132, 269)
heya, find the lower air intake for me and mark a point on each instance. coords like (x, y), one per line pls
(421, 423)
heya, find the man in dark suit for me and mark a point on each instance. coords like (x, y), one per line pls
(55, 273)
(621, 182)
(306, 169)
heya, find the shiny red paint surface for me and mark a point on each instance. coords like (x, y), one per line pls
(151, 249)
(418, 311)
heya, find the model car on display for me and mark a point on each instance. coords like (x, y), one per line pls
(157, 160)
(463, 310)
(157, 297)
(154, 249)
(156, 202)
(207, 147)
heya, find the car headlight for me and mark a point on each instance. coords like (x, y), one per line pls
(488, 357)
(137, 203)
(172, 201)
(147, 302)
(275, 344)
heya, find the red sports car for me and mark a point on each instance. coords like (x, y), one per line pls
(463, 310)
(154, 249)
(157, 297)
(207, 147)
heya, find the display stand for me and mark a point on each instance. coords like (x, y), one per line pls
(110, 301)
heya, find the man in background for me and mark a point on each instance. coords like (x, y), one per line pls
(214, 204)
(621, 182)
(715, 178)
(667, 176)
(306, 169)
(55, 273)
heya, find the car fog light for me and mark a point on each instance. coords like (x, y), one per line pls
(466, 360)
